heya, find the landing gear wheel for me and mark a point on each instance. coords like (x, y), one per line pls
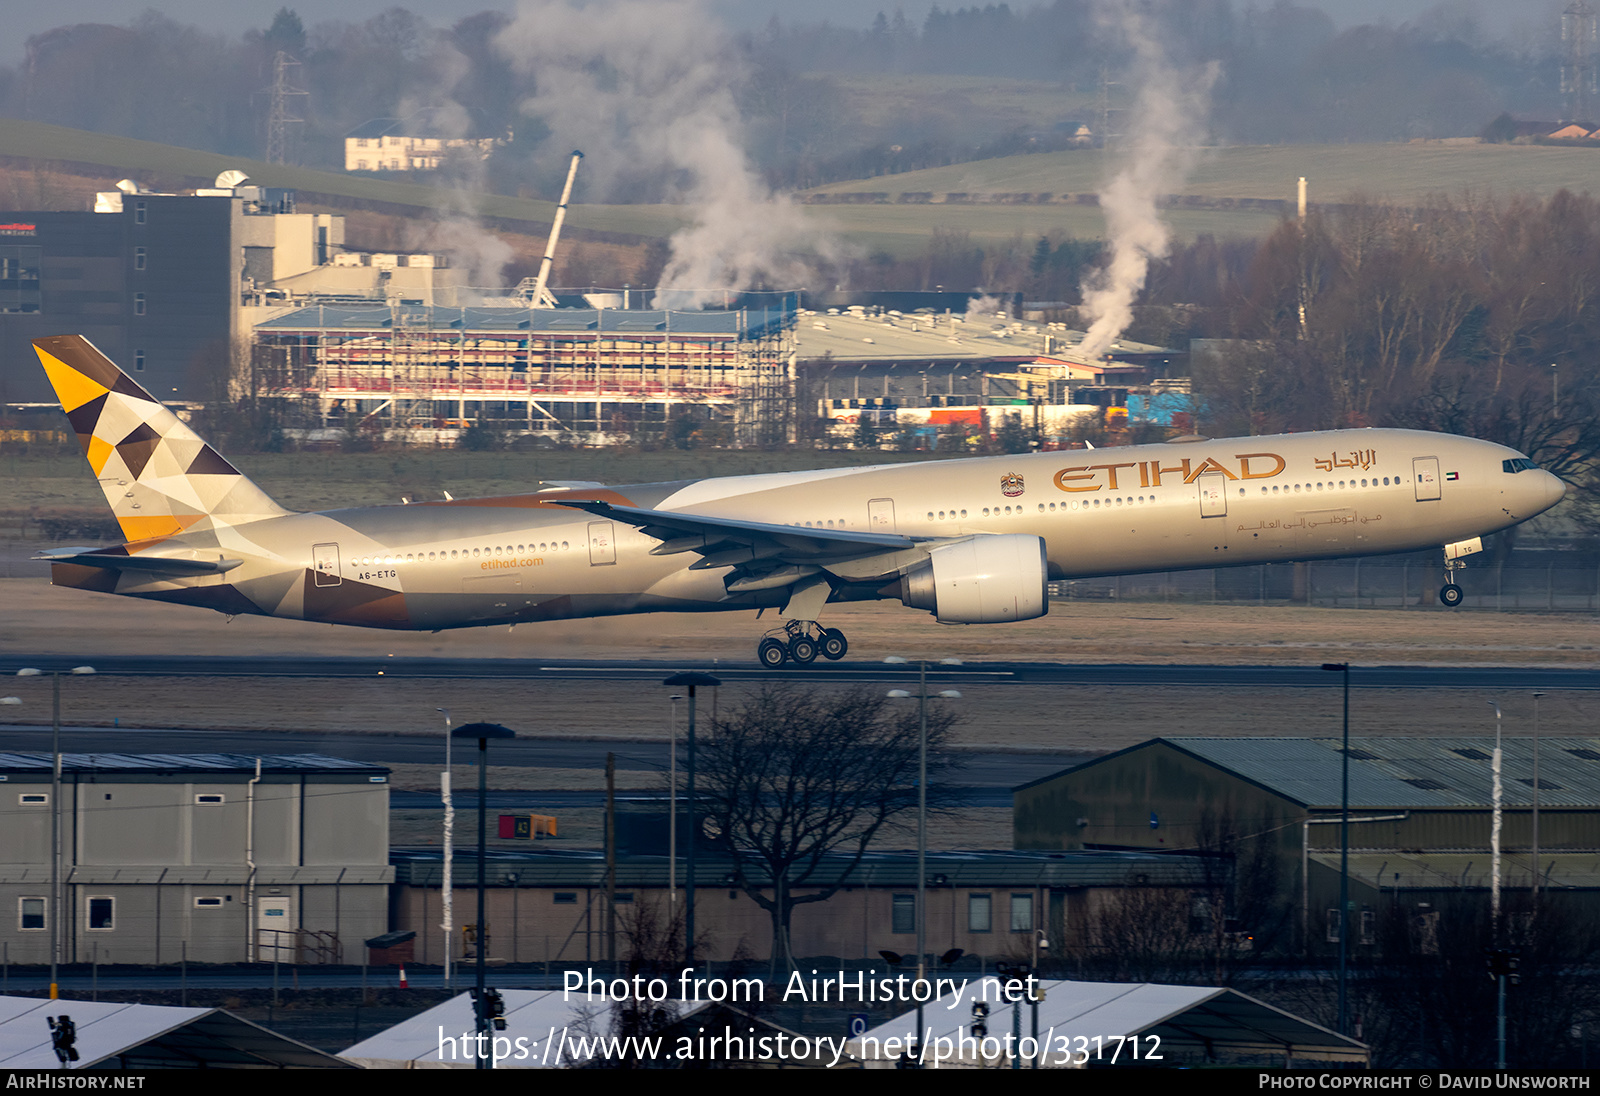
(803, 650)
(833, 645)
(1450, 596)
(772, 654)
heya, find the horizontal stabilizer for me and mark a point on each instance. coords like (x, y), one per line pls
(89, 557)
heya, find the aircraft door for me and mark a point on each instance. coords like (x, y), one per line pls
(1213, 495)
(325, 561)
(602, 544)
(880, 516)
(1426, 470)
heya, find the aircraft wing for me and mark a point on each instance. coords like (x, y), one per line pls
(89, 557)
(729, 542)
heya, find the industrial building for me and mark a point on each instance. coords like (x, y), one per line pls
(384, 144)
(160, 282)
(170, 286)
(230, 291)
(547, 905)
(1421, 815)
(925, 377)
(564, 371)
(217, 858)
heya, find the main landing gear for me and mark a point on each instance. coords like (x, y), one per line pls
(802, 641)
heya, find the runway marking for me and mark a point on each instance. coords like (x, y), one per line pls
(747, 671)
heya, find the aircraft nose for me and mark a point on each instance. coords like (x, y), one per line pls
(1551, 490)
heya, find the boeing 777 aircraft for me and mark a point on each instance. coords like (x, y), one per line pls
(970, 541)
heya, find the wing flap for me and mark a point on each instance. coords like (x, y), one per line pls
(714, 537)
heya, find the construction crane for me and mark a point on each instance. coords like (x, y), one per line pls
(540, 296)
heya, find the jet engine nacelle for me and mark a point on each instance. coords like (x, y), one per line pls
(989, 579)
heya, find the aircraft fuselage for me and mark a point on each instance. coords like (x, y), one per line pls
(1098, 512)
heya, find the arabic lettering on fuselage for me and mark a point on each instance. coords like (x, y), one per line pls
(1359, 458)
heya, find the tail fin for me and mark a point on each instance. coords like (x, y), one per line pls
(159, 476)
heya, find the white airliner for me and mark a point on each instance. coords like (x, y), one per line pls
(970, 541)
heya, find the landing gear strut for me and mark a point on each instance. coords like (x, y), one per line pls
(1451, 595)
(801, 641)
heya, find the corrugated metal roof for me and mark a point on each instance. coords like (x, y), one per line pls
(1196, 1019)
(33, 764)
(378, 316)
(148, 1036)
(1433, 871)
(533, 1019)
(930, 338)
(1410, 772)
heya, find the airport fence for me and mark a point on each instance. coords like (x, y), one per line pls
(1548, 581)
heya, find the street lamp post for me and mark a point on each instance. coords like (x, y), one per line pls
(693, 679)
(672, 807)
(480, 1005)
(1344, 851)
(922, 809)
(55, 815)
(447, 896)
(1536, 697)
(1496, 819)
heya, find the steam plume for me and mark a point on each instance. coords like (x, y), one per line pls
(1170, 107)
(645, 88)
(480, 255)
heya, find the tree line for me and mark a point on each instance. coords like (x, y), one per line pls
(1288, 74)
(1467, 315)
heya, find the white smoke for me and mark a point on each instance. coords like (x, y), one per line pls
(645, 89)
(1160, 148)
(986, 306)
(478, 255)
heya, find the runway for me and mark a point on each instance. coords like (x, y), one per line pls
(985, 777)
(988, 673)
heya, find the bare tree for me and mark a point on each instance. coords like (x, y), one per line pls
(1424, 998)
(801, 782)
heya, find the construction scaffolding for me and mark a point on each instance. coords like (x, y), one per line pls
(564, 372)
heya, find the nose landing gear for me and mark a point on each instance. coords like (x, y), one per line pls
(1451, 595)
(801, 641)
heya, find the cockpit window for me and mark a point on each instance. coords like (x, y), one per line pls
(1517, 464)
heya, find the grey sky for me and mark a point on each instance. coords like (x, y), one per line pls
(236, 16)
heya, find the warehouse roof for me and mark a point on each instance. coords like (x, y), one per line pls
(1190, 1022)
(500, 320)
(148, 1037)
(942, 337)
(1401, 772)
(35, 764)
(556, 1029)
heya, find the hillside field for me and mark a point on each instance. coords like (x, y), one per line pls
(1399, 173)
(1388, 172)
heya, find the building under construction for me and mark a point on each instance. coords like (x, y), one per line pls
(564, 373)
